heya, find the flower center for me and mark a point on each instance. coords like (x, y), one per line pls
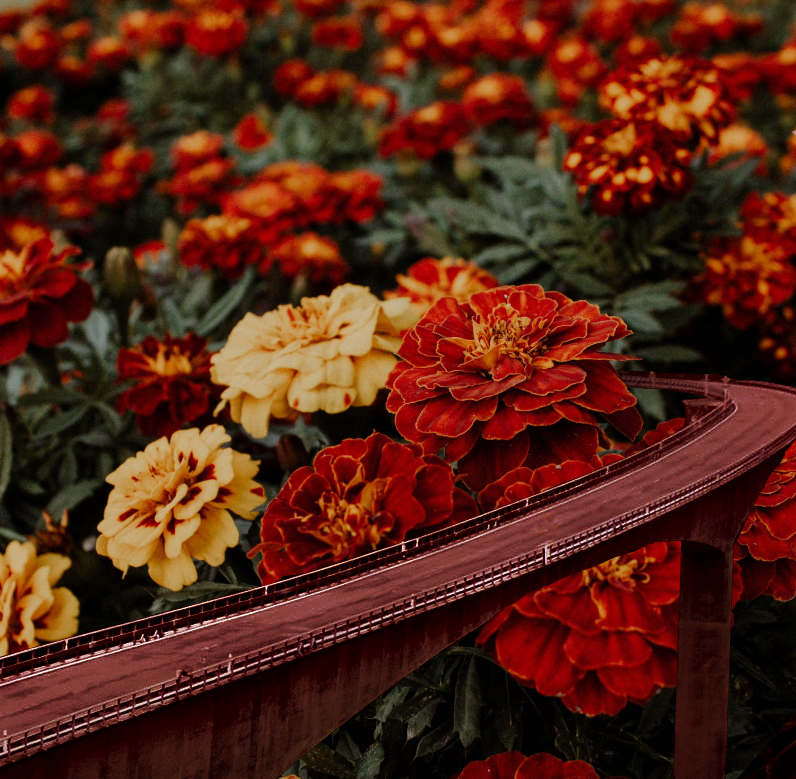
(347, 526)
(169, 362)
(621, 142)
(619, 572)
(507, 333)
(12, 269)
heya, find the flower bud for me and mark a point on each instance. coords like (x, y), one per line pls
(120, 275)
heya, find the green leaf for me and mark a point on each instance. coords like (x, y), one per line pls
(641, 322)
(6, 452)
(436, 740)
(369, 764)
(419, 722)
(324, 759)
(225, 305)
(61, 421)
(500, 253)
(651, 402)
(175, 321)
(52, 396)
(668, 353)
(558, 140)
(467, 702)
(70, 496)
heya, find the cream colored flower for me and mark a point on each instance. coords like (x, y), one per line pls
(171, 503)
(30, 609)
(331, 353)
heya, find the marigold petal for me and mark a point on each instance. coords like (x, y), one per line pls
(173, 573)
(591, 697)
(546, 766)
(563, 441)
(606, 648)
(47, 323)
(14, 339)
(626, 610)
(488, 460)
(444, 417)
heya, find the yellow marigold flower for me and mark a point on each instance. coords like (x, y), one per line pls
(333, 352)
(30, 609)
(171, 503)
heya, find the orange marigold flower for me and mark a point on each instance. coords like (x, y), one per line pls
(637, 49)
(225, 242)
(426, 132)
(73, 70)
(128, 157)
(328, 355)
(747, 277)
(324, 88)
(700, 26)
(17, 231)
(741, 74)
(66, 191)
(192, 150)
(172, 383)
(514, 765)
(216, 33)
(171, 504)
(270, 206)
(201, 185)
(108, 52)
(394, 61)
(778, 69)
(478, 374)
(113, 187)
(39, 294)
(251, 134)
(430, 279)
(631, 166)
(499, 97)
(576, 62)
(32, 609)
(312, 187)
(610, 21)
(740, 138)
(33, 104)
(309, 255)
(360, 495)
(776, 343)
(343, 32)
(376, 98)
(684, 94)
(771, 215)
(38, 45)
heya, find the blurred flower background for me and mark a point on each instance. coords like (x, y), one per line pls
(286, 281)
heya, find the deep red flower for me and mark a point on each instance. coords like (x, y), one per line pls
(267, 204)
(499, 97)
(514, 765)
(343, 33)
(771, 216)
(224, 242)
(741, 73)
(108, 52)
(426, 132)
(33, 104)
(204, 184)
(72, 70)
(376, 98)
(360, 495)
(512, 377)
(173, 386)
(251, 134)
(290, 75)
(326, 88)
(39, 294)
(637, 49)
(16, 232)
(628, 166)
(311, 186)
(216, 33)
(190, 151)
(610, 21)
(358, 195)
(38, 149)
(315, 9)
(38, 45)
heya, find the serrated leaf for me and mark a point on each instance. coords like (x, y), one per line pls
(6, 452)
(324, 759)
(419, 722)
(642, 322)
(467, 702)
(225, 305)
(500, 253)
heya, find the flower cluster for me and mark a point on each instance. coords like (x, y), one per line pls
(515, 765)
(332, 353)
(171, 504)
(356, 497)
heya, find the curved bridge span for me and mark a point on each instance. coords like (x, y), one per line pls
(244, 685)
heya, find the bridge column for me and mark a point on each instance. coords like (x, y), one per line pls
(703, 662)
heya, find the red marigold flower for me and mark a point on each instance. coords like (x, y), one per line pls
(539, 36)
(376, 98)
(38, 45)
(173, 386)
(628, 165)
(324, 88)
(652, 10)
(37, 149)
(216, 33)
(426, 132)
(741, 73)
(290, 75)
(358, 195)
(128, 158)
(610, 21)
(79, 30)
(16, 232)
(310, 184)
(39, 294)
(269, 205)
(499, 97)
(66, 191)
(477, 375)
(747, 277)
(190, 151)
(251, 134)
(598, 639)
(72, 70)
(514, 765)
(10, 21)
(430, 279)
(637, 49)
(394, 61)
(684, 94)
(33, 104)
(108, 52)
(776, 344)
(778, 69)
(113, 187)
(201, 185)
(576, 60)
(342, 32)
(740, 138)
(701, 26)
(772, 216)
(315, 9)
(228, 243)
(310, 255)
(360, 495)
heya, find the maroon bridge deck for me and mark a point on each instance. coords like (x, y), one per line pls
(243, 686)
